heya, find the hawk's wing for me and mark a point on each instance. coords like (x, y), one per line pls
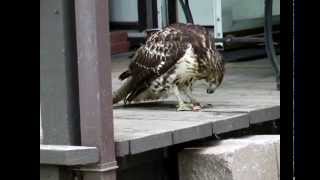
(164, 48)
(157, 56)
(160, 53)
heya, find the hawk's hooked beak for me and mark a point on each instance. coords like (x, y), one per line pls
(210, 90)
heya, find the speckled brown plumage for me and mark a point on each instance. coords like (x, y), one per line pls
(177, 55)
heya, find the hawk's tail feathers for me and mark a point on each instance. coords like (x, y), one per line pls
(122, 92)
(124, 75)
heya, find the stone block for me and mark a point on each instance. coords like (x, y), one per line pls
(246, 158)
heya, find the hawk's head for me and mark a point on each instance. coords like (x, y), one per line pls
(211, 71)
(212, 83)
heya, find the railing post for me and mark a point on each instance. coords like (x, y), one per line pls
(58, 73)
(95, 92)
(60, 117)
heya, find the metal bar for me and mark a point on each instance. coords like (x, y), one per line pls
(159, 13)
(269, 42)
(149, 12)
(58, 73)
(274, 32)
(95, 92)
(187, 11)
(229, 40)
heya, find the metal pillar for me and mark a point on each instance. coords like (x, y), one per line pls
(268, 40)
(95, 92)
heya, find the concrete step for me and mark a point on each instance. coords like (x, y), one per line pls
(247, 158)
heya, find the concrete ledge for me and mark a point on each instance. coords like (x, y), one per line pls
(246, 158)
(68, 155)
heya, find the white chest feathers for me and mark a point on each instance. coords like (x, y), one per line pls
(187, 65)
(161, 87)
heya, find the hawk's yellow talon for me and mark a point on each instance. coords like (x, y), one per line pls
(185, 107)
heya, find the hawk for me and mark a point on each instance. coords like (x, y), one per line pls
(170, 61)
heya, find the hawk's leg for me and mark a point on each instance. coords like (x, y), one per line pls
(190, 97)
(181, 105)
(193, 102)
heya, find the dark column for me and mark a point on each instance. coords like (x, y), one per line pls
(95, 92)
(58, 73)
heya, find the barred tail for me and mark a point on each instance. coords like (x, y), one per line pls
(124, 75)
(220, 67)
(123, 91)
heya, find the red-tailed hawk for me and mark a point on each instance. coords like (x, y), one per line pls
(169, 62)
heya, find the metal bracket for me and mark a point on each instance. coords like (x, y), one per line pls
(217, 22)
(99, 167)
